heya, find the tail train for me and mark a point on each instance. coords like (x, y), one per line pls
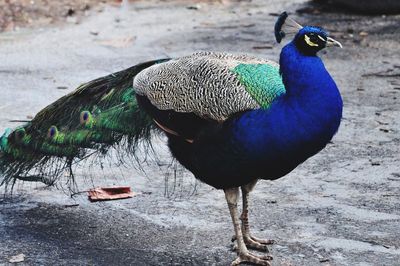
(98, 115)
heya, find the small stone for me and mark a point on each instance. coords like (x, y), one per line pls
(72, 20)
(70, 12)
(17, 258)
(194, 7)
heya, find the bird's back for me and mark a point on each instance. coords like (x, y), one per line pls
(211, 85)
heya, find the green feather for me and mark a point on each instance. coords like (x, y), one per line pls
(98, 115)
(262, 81)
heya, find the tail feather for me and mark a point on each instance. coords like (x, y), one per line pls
(98, 115)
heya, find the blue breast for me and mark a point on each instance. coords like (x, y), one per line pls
(297, 125)
(269, 142)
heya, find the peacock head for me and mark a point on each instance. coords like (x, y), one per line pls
(308, 40)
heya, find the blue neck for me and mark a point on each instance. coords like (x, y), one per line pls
(303, 74)
(299, 123)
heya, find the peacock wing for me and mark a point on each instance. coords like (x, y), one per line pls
(211, 85)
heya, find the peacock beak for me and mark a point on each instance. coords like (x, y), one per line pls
(333, 42)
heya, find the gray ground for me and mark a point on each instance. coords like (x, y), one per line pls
(341, 207)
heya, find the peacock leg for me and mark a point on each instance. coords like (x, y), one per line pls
(250, 241)
(245, 256)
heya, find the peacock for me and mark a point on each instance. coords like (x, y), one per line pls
(229, 119)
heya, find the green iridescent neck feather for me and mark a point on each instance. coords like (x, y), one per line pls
(262, 81)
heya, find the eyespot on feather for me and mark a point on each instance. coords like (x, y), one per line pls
(19, 134)
(86, 118)
(52, 132)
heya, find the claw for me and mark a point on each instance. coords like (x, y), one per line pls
(251, 258)
(255, 243)
(250, 243)
(263, 241)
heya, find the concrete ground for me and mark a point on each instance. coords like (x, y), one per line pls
(341, 207)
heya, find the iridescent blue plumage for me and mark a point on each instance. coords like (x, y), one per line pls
(299, 123)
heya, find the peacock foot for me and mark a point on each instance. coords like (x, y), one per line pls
(255, 243)
(252, 259)
(263, 241)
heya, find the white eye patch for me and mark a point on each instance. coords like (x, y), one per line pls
(322, 39)
(308, 41)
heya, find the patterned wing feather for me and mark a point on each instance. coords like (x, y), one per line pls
(211, 85)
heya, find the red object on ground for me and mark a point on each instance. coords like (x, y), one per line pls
(110, 193)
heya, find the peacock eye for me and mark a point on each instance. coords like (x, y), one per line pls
(313, 38)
